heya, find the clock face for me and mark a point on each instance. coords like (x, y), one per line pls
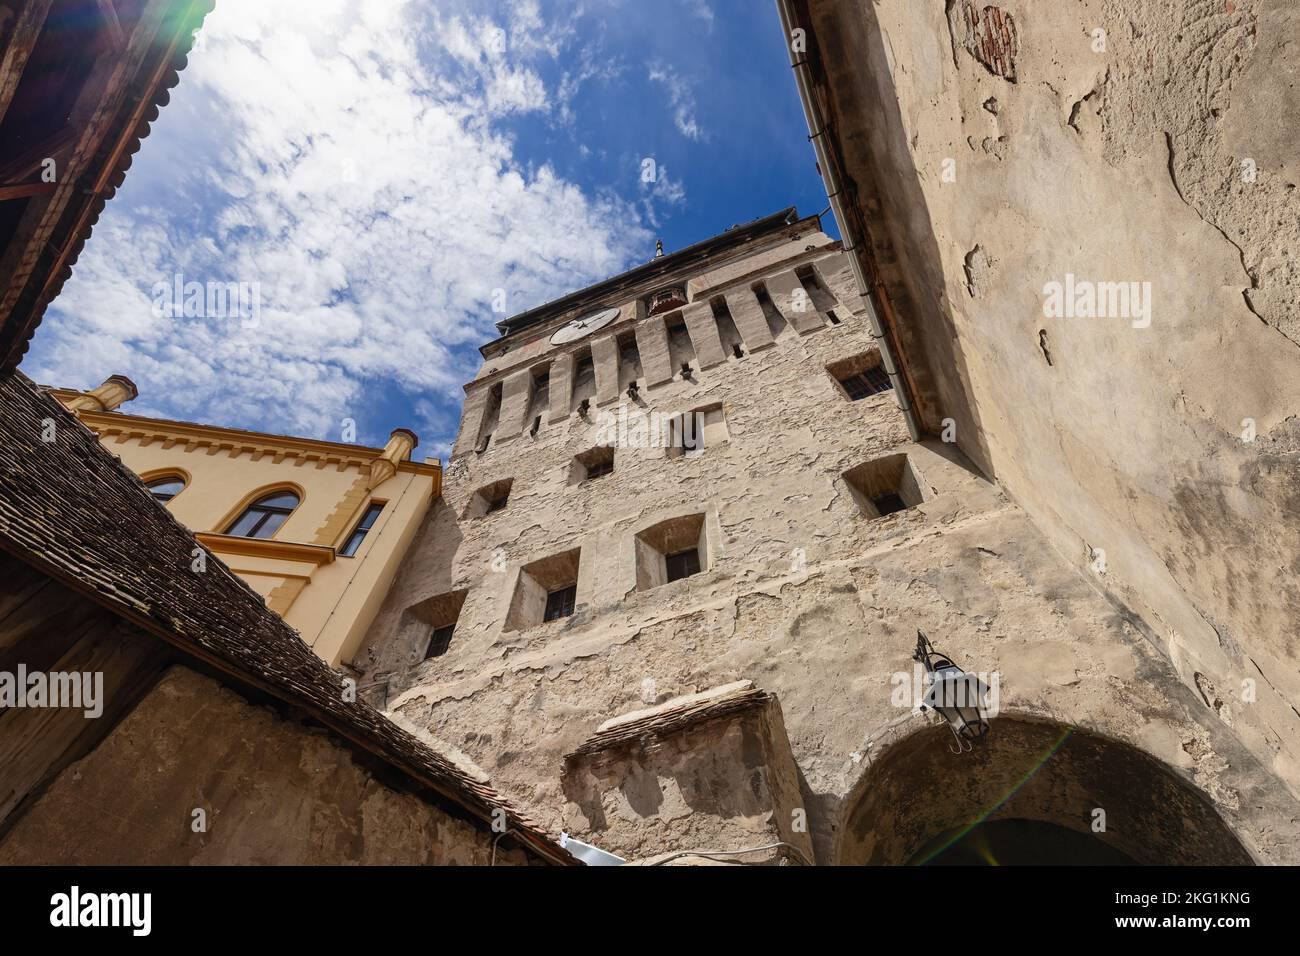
(584, 326)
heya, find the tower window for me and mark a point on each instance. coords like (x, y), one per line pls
(263, 517)
(861, 376)
(590, 465)
(888, 503)
(682, 564)
(165, 489)
(885, 486)
(547, 590)
(439, 641)
(489, 499)
(871, 382)
(671, 550)
(491, 417)
(560, 603)
(362, 529)
(691, 432)
(433, 622)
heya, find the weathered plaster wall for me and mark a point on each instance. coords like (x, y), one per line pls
(274, 792)
(805, 597)
(1167, 157)
(709, 770)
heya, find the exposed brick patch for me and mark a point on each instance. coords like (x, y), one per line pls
(989, 35)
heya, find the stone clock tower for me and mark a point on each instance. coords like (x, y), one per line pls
(669, 597)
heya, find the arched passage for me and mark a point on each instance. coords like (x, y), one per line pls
(1028, 795)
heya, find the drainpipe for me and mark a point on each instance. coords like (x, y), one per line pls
(834, 189)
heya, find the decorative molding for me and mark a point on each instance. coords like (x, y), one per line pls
(233, 442)
(336, 524)
(265, 548)
(282, 596)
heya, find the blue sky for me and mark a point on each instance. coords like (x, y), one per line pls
(382, 173)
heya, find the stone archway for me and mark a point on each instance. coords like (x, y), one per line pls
(1028, 795)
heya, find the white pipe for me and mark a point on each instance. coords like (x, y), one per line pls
(830, 179)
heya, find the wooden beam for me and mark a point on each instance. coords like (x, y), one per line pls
(13, 58)
(28, 162)
(113, 26)
(25, 190)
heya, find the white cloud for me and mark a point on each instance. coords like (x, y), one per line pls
(702, 11)
(663, 190)
(681, 100)
(347, 157)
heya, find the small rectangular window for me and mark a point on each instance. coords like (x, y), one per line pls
(886, 486)
(691, 432)
(869, 382)
(594, 463)
(436, 619)
(887, 504)
(439, 641)
(560, 603)
(682, 564)
(362, 529)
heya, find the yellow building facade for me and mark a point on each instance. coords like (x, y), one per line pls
(317, 528)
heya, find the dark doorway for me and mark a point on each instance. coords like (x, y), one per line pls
(1018, 843)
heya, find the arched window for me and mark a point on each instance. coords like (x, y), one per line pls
(166, 487)
(264, 516)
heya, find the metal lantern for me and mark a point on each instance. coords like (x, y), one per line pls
(958, 697)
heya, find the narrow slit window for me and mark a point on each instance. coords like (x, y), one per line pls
(362, 529)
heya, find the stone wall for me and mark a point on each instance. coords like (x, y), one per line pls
(272, 791)
(803, 594)
(1000, 148)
